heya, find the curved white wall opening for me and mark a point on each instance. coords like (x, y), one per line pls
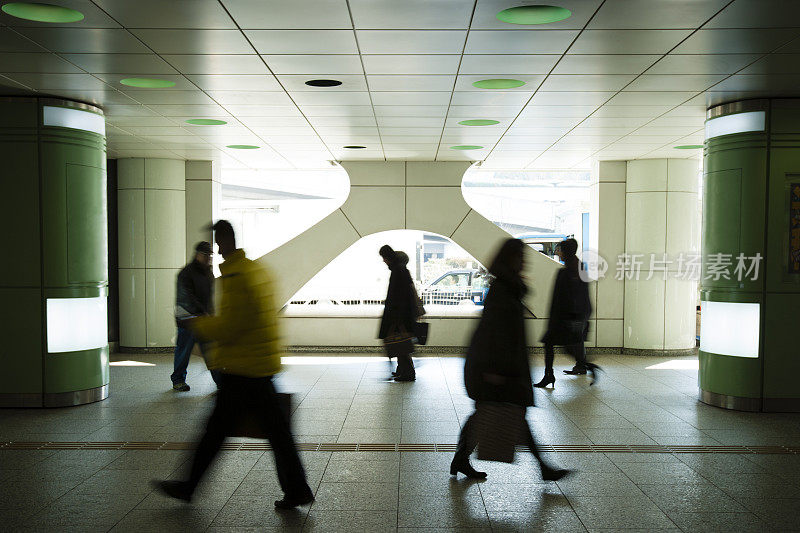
(540, 207)
(269, 208)
(449, 280)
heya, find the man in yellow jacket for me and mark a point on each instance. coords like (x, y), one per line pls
(247, 355)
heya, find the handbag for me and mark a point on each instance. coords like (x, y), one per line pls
(250, 423)
(421, 332)
(499, 428)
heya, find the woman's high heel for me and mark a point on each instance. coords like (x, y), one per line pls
(546, 380)
(463, 466)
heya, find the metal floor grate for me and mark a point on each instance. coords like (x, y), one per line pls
(367, 447)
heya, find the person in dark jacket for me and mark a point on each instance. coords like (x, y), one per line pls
(570, 309)
(497, 368)
(399, 314)
(193, 298)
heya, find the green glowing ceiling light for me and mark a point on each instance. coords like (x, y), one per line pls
(42, 12)
(537, 14)
(466, 147)
(147, 83)
(243, 146)
(688, 147)
(479, 122)
(498, 84)
(205, 122)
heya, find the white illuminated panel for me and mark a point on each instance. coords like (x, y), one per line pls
(75, 324)
(77, 119)
(728, 328)
(738, 123)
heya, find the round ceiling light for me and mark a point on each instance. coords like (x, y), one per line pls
(243, 146)
(479, 122)
(688, 147)
(323, 83)
(466, 147)
(42, 12)
(354, 147)
(537, 14)
(498, 84)
(205, 122)
(147, 83)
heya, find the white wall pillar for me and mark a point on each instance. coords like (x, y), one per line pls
(660, 218)
(203, 195)
(152, 248)
(607, 239)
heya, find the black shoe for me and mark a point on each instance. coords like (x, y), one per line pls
(174, 489)
(463, 466)
(290, 503)
(394, 374)
(548, 379)
(181, 387)
(553, 474)
(576, 372)
(405, 378)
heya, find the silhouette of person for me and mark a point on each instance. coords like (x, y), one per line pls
(399, 314)
(247, 353)
(497, 367)
(570, 309)
(193, 298)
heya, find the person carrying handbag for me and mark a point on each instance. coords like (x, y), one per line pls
(570, 309)
(399, 314)
(497, 373)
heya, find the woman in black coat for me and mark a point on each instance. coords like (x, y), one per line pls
(497, 368)
(570, 310)
(399, 314)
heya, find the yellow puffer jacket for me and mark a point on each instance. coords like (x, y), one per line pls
(245, 328)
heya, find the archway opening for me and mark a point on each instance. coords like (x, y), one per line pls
(450, 281)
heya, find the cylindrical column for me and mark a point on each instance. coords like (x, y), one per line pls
(54, 282)
(152, 249)
(751, 251)
(661, 237)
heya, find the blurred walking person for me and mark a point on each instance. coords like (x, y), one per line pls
(497, 369)
(247, 353)
(570, 309)
(193, 297)
(399, 314)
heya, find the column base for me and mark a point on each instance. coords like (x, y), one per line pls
(736, 403)
(55, 399)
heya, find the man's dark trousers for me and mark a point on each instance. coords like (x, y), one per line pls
(183, 351)
(239, 394)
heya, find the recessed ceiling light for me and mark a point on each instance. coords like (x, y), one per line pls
(466, 147)
(243, 146)
(323, 83)
(479, 122)
(538, 14)
(354, 147)
(42, 12)
(205, 122)
(688, 147)
(147, 83)
(498, 84)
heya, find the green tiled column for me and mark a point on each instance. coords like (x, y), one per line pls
(750, 172)
(53, 281)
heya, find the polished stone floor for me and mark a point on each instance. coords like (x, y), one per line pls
(638, 401)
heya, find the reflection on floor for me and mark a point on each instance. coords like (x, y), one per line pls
(638, 401)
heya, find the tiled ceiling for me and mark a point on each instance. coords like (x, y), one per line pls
(619, 79)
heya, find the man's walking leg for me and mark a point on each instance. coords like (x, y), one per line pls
(183, 351)
(291, 475)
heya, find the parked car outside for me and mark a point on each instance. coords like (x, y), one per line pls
(457, 287)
